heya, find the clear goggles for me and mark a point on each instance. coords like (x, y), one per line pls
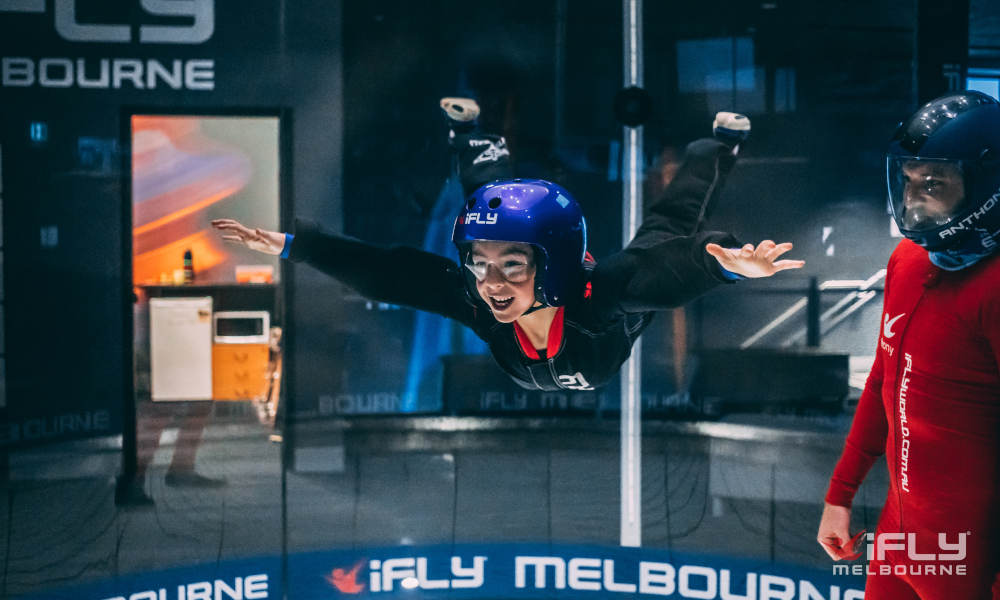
(515, 268)
(925, 193)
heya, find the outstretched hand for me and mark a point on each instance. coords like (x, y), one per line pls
(268, 242)
(749, 261)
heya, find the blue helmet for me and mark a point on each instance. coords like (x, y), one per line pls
(530, 211)
(943, 174)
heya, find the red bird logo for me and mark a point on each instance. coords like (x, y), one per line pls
(346, 581)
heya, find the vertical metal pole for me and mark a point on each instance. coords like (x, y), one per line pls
(632, 170)
(559, 77)
(812, 315)
(4, 454)
(130, 445)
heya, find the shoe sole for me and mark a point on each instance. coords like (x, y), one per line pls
(462, 110)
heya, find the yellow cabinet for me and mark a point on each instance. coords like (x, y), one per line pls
(239, 371)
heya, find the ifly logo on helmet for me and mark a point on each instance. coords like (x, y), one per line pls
(481, 219)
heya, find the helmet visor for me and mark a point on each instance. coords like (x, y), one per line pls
(924, 193)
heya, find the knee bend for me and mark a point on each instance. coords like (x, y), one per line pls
(707, 148)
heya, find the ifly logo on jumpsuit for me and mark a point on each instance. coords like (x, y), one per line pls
(945, 562)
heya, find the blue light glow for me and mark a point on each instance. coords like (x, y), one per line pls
(39, 131)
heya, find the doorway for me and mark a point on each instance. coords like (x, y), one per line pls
(206, 316)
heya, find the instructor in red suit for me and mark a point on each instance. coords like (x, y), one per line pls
(932, 401)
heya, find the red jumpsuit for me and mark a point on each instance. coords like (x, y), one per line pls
(932, 405)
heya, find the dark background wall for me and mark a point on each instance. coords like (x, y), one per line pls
(360, 82)
(64, 309)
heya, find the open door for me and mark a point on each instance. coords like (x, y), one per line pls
(206, 315)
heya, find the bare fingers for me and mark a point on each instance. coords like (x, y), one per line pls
(777, 250)
(224, 223)
(230, 225)
(832, 547)
(781, 265)
(717, 251)
(764, 247)
(233, 228)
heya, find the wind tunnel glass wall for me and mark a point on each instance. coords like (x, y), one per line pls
(810, 173)
(549, 96)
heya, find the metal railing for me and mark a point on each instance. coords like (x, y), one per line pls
(859, 293)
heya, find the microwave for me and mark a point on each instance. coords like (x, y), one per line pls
(241, 327)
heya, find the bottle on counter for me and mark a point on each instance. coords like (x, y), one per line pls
(188, 267)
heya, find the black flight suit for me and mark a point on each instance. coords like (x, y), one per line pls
(664, 266)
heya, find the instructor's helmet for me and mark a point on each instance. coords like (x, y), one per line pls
(943, 174)
(534, 212)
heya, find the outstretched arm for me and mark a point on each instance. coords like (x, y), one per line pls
(670, 261)
(658, 272)
(396, 275)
